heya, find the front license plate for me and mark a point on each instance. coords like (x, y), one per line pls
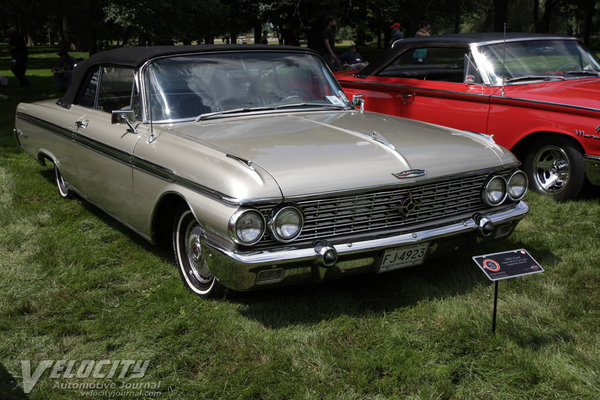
(402, 257)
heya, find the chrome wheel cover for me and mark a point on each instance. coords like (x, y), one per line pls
(551, 169)
(197, 268)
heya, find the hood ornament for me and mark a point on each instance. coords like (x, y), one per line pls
(410, 173)
(378, 138)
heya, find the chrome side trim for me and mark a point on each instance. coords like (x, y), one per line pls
(474, 95)
(58, 130)
(137, 162)
(546, 103)
(483, 96)
(289, 255)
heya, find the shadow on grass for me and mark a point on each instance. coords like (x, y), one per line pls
(9, 388)
(163, 251)
(591, 192)
(446, 277)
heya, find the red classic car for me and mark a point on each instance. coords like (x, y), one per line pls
(538, 95)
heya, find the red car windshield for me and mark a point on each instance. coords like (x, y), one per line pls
(543, 59)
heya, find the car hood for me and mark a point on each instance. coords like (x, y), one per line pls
(326, 152)
(576, 92)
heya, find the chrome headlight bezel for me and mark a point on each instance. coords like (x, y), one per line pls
(239, 217)
(279, 213)
(515, 175)
(488, 185)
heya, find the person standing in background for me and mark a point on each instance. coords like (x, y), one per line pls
(396, 34)
(424, 30)
(264, 38)
(18, 52)
(328, 37)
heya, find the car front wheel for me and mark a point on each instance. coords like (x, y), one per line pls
(555, 168)
(190, 257)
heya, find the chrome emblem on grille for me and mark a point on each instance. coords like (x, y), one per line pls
(410, 173)
(405, 206)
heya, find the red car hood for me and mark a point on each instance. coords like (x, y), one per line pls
(576, 92)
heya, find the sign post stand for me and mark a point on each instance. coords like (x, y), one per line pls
(506, 265)
(495, 306)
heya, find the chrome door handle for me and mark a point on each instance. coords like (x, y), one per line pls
(408, 98)
(81, 124)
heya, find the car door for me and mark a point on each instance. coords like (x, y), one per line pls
(104, 170)
(433, 84)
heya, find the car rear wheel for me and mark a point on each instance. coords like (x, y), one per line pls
(555, 168)
(190, 257)
(63, 188)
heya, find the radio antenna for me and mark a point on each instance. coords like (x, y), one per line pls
(504, 60)
(149, 94)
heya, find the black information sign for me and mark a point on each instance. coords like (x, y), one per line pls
(508, 264)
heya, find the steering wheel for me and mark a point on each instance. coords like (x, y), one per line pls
(294, 93)
(564, 67)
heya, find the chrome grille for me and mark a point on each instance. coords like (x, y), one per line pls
(380, 210)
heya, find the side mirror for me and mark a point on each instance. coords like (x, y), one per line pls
(359, 102)
(124, 117)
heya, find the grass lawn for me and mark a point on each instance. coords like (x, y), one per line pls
(76, 285)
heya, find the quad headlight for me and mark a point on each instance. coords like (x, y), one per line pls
(246, 226)
(286, 224)
(494, 192)
(517, 185)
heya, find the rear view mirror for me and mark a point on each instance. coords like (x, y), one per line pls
(124, 117)
(359, 102)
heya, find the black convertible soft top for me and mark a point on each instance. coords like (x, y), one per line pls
(137, 56)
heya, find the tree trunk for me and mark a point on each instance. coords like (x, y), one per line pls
(257, 32)
(457, 14)
(542, 25)
(500, 14)
(589, 9)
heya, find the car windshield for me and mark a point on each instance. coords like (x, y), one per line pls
(524, 61)
(226, 84)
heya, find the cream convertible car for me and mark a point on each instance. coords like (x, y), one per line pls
(262, 173)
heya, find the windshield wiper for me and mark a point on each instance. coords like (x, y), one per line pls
(318, 105)
(241, 110)
(232, 111)
(582, 72)
(535, 78)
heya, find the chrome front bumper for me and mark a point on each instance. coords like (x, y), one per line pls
(251, 270)
(592, 168)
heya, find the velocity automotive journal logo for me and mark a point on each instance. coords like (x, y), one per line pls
(91, 378)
